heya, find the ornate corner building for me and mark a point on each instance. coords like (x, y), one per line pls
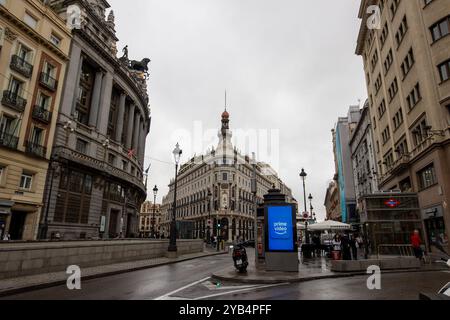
(34, 53)
(217, 187)
(95, 183)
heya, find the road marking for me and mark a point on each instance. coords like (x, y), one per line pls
(212, 286)
(240, 290)
(164, 297)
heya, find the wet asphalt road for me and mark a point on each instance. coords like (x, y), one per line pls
(398, 286)
(138, 285)
(189, 280)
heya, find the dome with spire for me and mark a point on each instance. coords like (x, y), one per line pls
(225, 115)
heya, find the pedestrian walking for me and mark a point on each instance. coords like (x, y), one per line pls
(336, 253)
(415, 243)
(439, 244)
(353, 247)
(360, 241)
(345, 247)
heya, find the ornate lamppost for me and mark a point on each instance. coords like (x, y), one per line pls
(303, 176)
(208, 233)
(155, 192)
(177, 152)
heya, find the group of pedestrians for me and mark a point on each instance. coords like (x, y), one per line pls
(346, 245)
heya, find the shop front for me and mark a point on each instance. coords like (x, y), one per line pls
(436, 234)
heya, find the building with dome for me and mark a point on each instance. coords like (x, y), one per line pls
(216, 189)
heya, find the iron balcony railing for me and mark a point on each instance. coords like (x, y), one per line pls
(35, 149)
(47, 81)
(41, 114)
(20, 65)
(14, 101)
(8, 140)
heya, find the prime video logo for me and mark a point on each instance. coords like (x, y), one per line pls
(280, 228)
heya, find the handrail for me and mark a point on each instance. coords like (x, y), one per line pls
(406, 250)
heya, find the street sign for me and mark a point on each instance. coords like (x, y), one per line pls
(209, 223)
(305, 215)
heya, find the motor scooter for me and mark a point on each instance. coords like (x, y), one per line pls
(240, 258)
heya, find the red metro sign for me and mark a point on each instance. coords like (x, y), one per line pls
(392, 203)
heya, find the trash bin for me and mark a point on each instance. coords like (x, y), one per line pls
(336, 255)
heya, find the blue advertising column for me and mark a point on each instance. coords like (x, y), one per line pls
(281, 252)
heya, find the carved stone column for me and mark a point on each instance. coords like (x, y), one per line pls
(105, 103)
(120, 116)
(129, 138)
(95, 103)
(137, 124)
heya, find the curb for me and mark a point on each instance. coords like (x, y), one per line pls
(14, 291)
(313, 278)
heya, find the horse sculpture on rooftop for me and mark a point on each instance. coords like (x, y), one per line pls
(140, 65)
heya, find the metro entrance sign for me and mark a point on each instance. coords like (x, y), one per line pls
(392, 203)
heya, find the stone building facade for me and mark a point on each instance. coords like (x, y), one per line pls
(363, 157)
(34, 52)
(225, 174)
(407, 68)
(344, 172)
(332, 204)
(95, 186)
(150, 220)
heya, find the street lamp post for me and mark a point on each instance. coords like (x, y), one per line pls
(155, 192)
(173, 224)
(310, 198)
(208, 233)
(303, 176)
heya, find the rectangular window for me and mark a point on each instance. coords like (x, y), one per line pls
(444, 70)
(2, 173)
(427, 177)
(420, 132)
(26, 181)
(81, 146)
(414, 97)
(403, 28)
(440, 29)
(111, 159)
(30, 20)
(55, 40)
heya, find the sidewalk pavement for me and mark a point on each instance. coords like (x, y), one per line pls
(33, 282)
(309, 270)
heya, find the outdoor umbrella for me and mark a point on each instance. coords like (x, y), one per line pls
(330, 225)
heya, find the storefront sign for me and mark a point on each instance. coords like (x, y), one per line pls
(281, 228)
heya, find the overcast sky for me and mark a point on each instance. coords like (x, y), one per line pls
(287, 65)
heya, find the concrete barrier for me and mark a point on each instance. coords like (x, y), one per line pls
(21, 259)
(384, 264)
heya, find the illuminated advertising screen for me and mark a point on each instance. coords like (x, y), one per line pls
(280, 228)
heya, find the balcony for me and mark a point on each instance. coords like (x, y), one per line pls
(35, 149)
(97, 164)
(48, 82)
(14, 101)
(21, 66)
(8, 140)
(41, 114)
